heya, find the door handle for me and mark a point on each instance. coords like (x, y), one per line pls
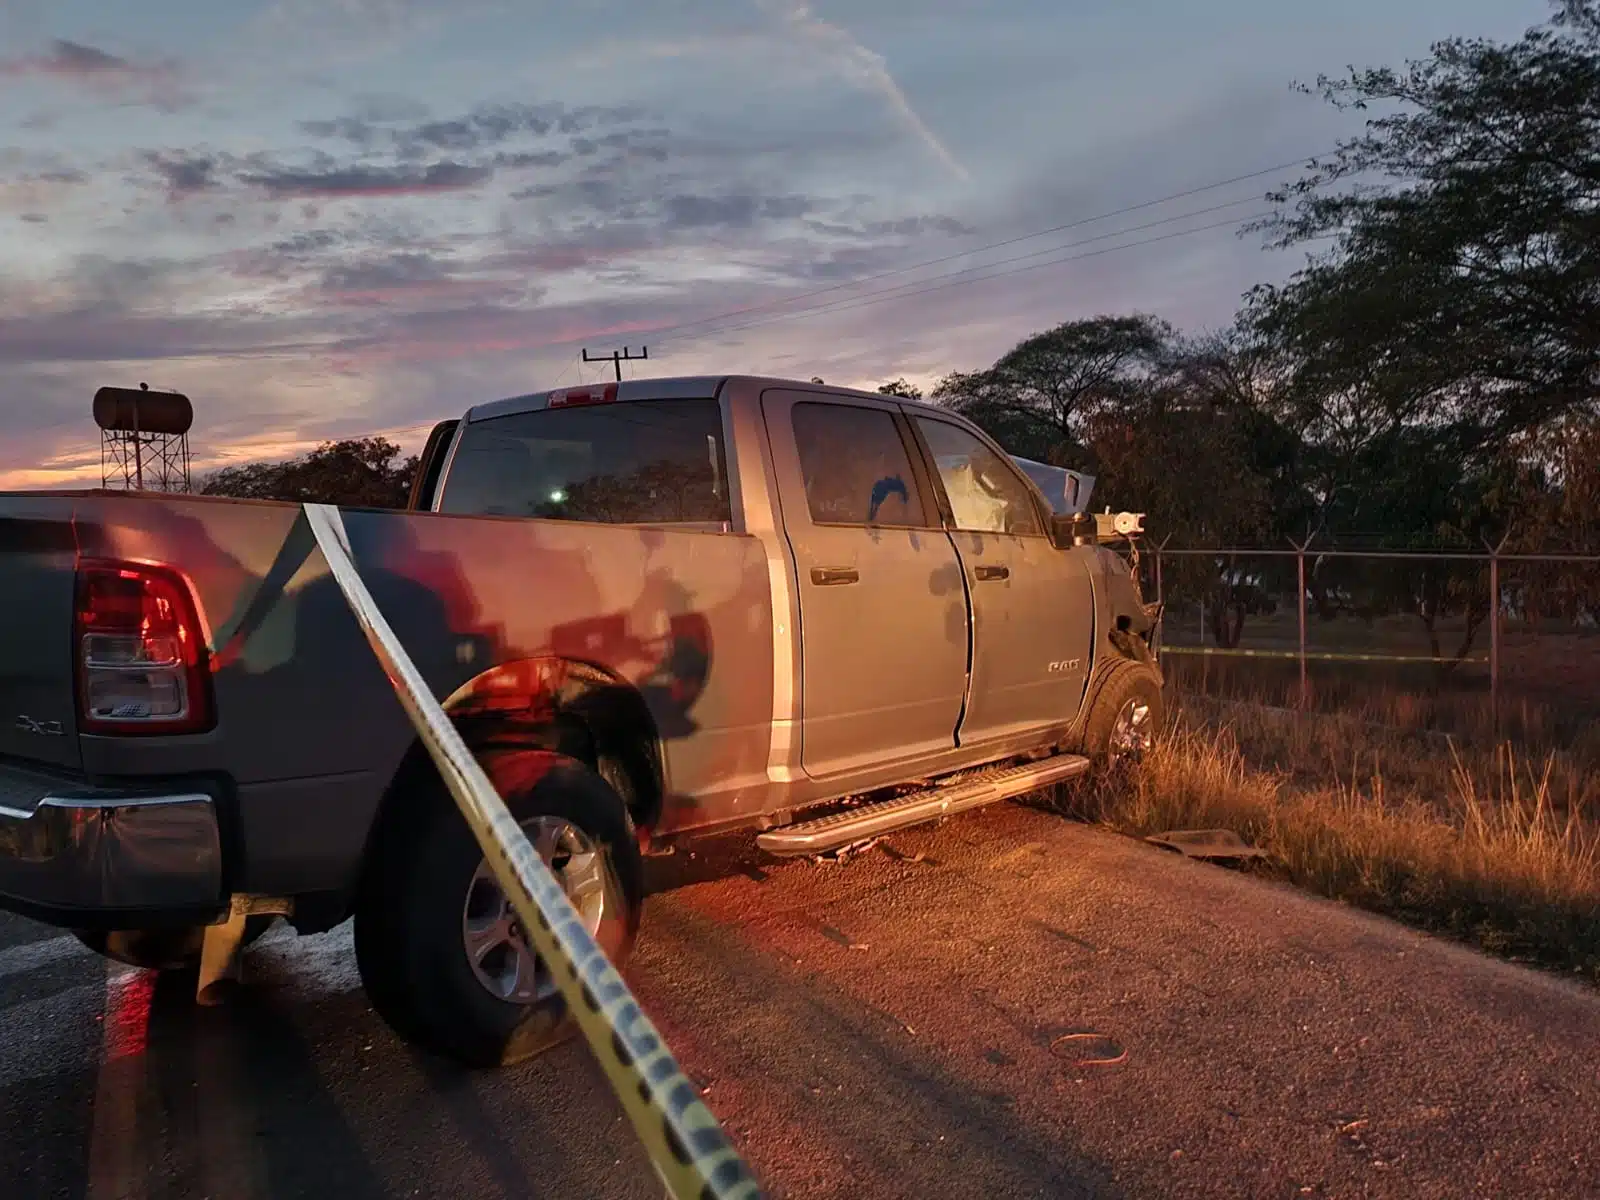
(832, 576)
(992, 572)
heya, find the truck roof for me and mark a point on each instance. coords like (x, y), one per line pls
(675, 387)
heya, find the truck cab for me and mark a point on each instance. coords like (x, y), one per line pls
(930, 610)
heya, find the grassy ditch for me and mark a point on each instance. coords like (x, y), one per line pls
(1479, 843)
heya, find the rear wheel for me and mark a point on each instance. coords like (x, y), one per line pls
(441, 951)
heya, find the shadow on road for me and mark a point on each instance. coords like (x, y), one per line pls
(242, 1094)
(711, 860)
(845, 1082)
(293, 1088)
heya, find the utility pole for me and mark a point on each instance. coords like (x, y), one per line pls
(617, 357)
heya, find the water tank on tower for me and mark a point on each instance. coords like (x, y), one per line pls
(144, 438)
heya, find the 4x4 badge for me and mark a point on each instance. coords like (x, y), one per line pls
(45, 728)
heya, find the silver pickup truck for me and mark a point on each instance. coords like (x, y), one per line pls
(656, 610)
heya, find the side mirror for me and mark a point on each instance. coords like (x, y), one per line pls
(1071, 529)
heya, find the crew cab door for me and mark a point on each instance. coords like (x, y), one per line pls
(883, 617)
(1032, 603)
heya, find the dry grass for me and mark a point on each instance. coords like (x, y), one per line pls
(1478, 843)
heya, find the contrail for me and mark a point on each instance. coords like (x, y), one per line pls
(864, 65)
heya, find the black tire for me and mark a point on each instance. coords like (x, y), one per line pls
(409, 911)
(161, 949)
(1125, 685)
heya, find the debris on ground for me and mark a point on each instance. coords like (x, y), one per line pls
(902, 856)
(838, 935)
(1222, 844)
(845, 853)
(1088, 1050)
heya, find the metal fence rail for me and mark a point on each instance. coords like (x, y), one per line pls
(686, 1144)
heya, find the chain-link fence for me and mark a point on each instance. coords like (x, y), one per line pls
(1330, 626)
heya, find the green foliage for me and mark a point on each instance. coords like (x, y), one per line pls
(1430, 377)
(899, 387)
(358, 472)
(1038, 399)
(1460, 294)
(1174, 429)
(1442, 353)
(1562, 507)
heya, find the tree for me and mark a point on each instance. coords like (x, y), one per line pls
(1037, 398)
(1560, 509)
(357, 472)
(899, 387)
(1453, 321)
(1170, 428)
(1198, 451)
(1461, 292)
(1166, 426)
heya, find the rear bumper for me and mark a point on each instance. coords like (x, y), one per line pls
(78, 854)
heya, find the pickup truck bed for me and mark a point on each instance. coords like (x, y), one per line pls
(704, 603)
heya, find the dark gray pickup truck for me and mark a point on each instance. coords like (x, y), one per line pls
(655, 610)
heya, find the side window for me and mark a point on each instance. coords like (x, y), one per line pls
(856, 468)
(986, 494)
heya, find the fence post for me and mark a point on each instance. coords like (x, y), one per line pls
(1494, 632)
(1161, 598)
(1161, 595)
(1300, 608)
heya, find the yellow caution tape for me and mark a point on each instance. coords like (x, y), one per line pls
(688, 1147)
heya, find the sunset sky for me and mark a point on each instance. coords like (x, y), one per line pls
(321, 218)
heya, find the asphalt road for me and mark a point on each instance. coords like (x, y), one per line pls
(899, 1025)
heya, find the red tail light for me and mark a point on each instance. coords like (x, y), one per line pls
(140, 651)
(604, 393)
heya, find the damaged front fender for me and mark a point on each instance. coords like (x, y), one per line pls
(1131, 624)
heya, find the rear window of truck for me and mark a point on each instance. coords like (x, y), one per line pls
(638, 462)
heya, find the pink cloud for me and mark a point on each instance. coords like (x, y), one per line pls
(89, 67)
(432, 289)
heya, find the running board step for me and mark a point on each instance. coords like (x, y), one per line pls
(970, 789)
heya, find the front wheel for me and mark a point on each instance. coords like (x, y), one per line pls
(442, 953)
(1127, 715)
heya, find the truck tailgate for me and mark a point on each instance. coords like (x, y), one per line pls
(37, 557)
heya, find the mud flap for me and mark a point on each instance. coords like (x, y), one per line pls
(222, 949)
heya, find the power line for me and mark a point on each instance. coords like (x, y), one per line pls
(564, 371)
(717, 318)
(853, 302)
(1011, 241)
(849, 301)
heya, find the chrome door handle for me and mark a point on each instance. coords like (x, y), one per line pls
(833, 576)
(988, 572)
